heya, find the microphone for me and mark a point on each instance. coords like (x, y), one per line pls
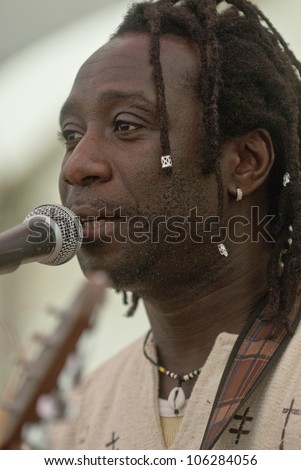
(50, 234)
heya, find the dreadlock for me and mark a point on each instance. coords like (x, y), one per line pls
(249, 78)
(134, 303)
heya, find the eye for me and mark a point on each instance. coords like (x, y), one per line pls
(69, 136)
(125, 126)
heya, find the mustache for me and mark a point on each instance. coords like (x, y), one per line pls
(103, 205)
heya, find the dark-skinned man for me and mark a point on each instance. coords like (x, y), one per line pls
(182, 161)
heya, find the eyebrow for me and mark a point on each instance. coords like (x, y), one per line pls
(69, 107)
(72, 105)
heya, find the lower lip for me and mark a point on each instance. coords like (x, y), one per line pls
(100, 230)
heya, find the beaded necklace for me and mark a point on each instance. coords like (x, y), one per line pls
(176, 398)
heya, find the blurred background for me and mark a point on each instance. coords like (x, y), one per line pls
(43, 43)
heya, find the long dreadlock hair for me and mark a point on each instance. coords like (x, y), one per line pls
(249, 78)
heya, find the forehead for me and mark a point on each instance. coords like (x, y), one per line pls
(124, 65)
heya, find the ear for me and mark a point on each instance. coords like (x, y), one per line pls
(247, 161)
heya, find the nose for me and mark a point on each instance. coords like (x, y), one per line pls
(86, 164)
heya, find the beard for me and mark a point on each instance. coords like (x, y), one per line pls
(154, 257)
(158, 266)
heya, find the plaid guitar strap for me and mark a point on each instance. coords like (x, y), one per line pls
(254, 352)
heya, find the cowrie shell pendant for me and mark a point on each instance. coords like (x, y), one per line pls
(176, 399)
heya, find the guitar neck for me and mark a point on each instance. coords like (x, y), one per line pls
(42, 374)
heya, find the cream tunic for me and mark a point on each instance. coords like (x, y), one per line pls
(117, 405)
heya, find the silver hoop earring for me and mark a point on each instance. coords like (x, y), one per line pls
(239, 194)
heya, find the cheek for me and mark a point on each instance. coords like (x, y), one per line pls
(140, 172)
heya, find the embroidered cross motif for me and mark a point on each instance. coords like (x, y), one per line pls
(166, 161)
(288, 411)
(291, 411)
(240, 431)
(113, 442)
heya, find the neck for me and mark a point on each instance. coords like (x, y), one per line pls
(185, 326)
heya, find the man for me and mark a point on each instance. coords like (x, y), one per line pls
(182, 160)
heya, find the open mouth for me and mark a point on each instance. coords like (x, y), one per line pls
(99, 224)
(100, 228)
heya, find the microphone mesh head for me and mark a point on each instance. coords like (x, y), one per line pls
(70, 227)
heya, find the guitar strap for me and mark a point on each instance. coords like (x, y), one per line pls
(254, 353)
